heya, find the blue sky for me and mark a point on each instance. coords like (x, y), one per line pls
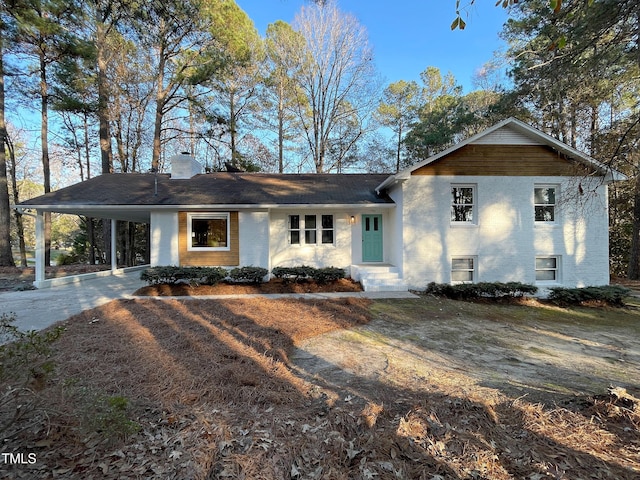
(409, 35)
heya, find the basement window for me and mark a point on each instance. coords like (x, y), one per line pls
(547, 269)
(463, 270)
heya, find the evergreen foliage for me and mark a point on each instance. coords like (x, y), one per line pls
(248, 274)
(468, 291)
(612, 295)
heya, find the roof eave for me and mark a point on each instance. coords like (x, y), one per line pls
(80, 207)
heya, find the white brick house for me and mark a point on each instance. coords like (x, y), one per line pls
(509, 204)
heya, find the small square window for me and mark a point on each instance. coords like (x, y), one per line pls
(547, 269)
(463, 270)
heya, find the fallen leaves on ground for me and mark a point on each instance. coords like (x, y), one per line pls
(211, 388)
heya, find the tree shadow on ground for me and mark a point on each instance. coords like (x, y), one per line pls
(217, 396)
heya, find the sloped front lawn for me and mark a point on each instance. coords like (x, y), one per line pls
(344, 389)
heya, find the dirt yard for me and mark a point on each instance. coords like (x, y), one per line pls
(345, 389)
(21, 278)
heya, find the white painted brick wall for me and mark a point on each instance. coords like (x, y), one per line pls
(254, 239)
(319, 255)
(505, 239)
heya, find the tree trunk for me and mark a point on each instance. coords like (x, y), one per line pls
(281, 128)
(232, 130)
(161, 97)
(399, 149)
(103, 98)
(103, 119)
(91, 238)
(87, 153)
(44, 140)
(16, 200)
(634, 254)
(6, 256)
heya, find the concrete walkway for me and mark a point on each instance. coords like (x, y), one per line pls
(38, 309)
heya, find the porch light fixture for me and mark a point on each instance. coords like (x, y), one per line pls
(352, 220)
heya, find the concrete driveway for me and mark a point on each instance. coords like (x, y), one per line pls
(38, 309)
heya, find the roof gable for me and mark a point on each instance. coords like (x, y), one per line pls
(503, 160)
(512, 132)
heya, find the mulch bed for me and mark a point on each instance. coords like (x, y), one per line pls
(273, 286)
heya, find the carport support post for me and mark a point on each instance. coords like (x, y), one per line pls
(114, 250)
(40, 249)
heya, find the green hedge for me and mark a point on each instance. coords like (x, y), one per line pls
(190, 275)
(248, 274)
(467, 291)
(212, 275)
(612, 295)
(305, 272)
(328, 274)
(293, 273)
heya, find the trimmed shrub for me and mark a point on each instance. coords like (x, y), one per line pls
(612, 295)
(467, 291)
(212, 275)
(191, 275)
(248, 274)
(293, 273)
(328, 274)
(304, 272)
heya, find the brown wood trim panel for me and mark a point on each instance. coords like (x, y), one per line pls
(200, 258)
(503, 160)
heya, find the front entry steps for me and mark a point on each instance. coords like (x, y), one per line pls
(378, 278)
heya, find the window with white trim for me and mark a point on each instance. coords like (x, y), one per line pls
(294, 229)
(462, 203)
(463, 270)
(327, 228)
(547, 269)
(208, 231)
(308, 230)
(544, 200)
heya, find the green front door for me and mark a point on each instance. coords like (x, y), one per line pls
(372, 238)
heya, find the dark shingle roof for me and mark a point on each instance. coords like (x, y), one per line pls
(219, 189)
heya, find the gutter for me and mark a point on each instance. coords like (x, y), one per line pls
(75, 207)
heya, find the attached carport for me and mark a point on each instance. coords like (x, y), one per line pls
(114, 213)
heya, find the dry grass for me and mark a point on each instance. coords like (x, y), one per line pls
(213, 391)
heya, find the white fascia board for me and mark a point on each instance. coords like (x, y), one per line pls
(213, 207)
(392, 181)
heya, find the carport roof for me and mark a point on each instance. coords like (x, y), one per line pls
(131, 196)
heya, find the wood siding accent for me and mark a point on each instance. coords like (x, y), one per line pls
(502, 160)
(203, 258)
